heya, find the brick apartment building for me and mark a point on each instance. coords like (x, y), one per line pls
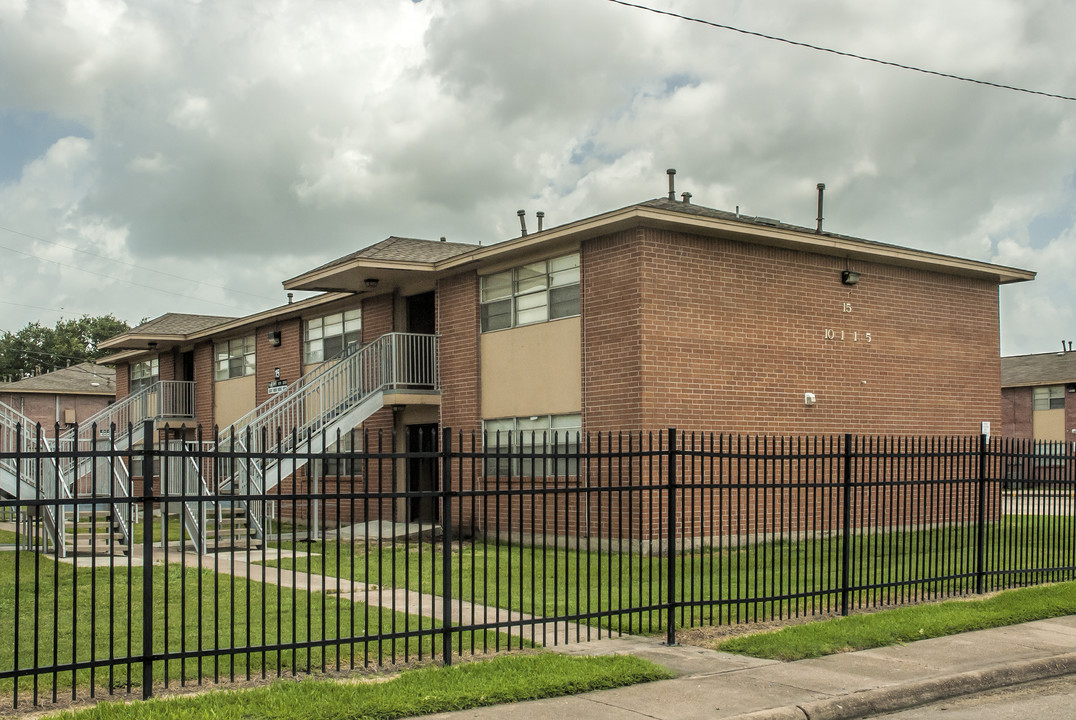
(1038, 396)
(660, 314)
(62, 397)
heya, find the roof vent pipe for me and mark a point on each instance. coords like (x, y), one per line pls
(671, 172)
(522, 221)
(687, 198)
(541, 217)
(291, 297)
(821, 190)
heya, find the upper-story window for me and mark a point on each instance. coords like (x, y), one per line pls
(326, 337)
(1048, 398)
(235, 358)
(531, 293)
(144, 374)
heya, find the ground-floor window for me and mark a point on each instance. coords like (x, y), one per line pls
(534, 445)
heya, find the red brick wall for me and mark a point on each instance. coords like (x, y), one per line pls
(731, 336)
(42, 408)
(457, 325)
(1016, 412)
(377, 317)
(166, 366)
(611, 307)
(123, 381)
(1070, 416)
(203, 388)
(288, 356)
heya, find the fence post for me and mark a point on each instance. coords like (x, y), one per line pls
(446, 549)
(846, 537)
(980, 533)
(670, 622)
(147, 558)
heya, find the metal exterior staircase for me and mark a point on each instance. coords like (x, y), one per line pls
(118, 427)
(31, 473)
(305, 419)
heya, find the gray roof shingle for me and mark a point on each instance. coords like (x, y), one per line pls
(403, 250)
(75, 379)
(1041, 369)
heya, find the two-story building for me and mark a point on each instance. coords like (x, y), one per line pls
(660, 314)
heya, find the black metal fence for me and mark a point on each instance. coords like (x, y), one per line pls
(352, 553)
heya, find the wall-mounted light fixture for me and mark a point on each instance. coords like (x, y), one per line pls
(274, 338)
(370, 282)
(809, 398)
(849, 277)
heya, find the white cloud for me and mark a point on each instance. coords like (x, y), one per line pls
(284, 134)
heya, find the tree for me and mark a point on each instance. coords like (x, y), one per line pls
(40, 349)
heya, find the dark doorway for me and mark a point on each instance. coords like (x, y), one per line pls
(186, 366)
(422, 313)
(422, 473)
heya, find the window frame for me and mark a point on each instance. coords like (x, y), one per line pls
(238, 358)
(144, 373)
(314, 333)
(529, 294)
(1052, 396)
(523, 435)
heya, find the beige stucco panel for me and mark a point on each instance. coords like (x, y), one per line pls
(532, 370)
(1049, 425)
(233, 399)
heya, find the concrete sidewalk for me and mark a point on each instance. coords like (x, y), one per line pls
(849, 685)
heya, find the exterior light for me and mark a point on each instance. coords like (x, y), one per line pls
(849, 277)
(274, 338)
(370, 283)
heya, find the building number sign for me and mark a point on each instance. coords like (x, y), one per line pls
(844, 335)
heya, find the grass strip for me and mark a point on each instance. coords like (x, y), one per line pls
(511, 678)
(906, 624)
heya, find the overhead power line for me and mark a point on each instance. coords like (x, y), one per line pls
(841, 53)
(112, 277)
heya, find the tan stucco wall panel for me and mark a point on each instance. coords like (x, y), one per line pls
(532, 370)
(233, 399)
(1049, 425)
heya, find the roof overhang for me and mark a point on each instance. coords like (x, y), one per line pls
(132, 345)
(351, 275)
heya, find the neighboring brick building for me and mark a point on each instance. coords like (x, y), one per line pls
(66, 396)
(660, 314)
(1038, 396)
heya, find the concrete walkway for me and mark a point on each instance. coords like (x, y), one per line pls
(849, 685)
(515, 623)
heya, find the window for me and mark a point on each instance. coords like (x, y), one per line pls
(1048, 398)
(343, 466)
(532, 293)
(144, 374)
(235, 358)
(525, 440)
(326, 337)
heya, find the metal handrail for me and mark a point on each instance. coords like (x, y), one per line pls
(394, 361)
(17, 436)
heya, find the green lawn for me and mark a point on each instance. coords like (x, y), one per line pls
(792, 578)
(901, 625)
(415, 692)
(94, 609)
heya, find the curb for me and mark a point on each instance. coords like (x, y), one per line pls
(923, 692)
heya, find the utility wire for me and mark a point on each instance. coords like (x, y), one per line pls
(129, 264)
(842, 53)
(111, 277)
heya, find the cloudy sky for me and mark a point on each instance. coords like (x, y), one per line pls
(188, 156)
